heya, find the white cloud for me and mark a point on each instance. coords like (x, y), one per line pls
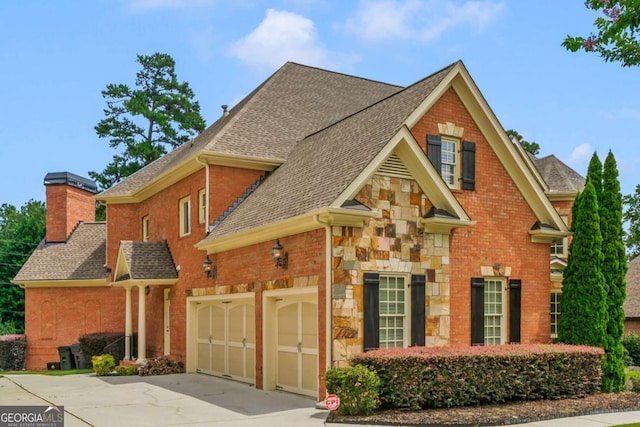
(148, 5)
(421, 20)
(285, 36)
(581, 155)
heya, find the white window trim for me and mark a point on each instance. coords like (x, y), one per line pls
(145, 228)
(503, 314)
(406, 328)
(558, 293)
(185, 223)
(202, 206)
(456, 163)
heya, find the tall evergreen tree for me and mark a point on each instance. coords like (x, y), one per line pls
(614, 269)
(594, 171)
(147, 121)
(583, 305)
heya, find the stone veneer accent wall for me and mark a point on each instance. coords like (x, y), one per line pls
(392, 242)
(289, 282)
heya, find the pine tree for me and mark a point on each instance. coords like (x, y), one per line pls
(583, 305)
(614, 270)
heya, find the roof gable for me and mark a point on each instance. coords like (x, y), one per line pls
(144, 263)
(521, 174)
(77, 262)
(322, 166)
(262, 129)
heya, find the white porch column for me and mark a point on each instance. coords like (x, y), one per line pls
(127, 324)
(142, 331)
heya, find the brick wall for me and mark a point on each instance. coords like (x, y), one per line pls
(500, 235)
(59, 316)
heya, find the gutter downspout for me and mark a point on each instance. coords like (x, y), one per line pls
(327, 277)
(206, 193)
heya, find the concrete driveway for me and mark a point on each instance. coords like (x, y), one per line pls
(167, 400)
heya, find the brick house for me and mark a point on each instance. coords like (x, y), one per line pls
(323, 215)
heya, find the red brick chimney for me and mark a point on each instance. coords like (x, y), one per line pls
(69, 200)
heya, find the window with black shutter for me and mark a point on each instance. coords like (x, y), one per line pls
(394, 311)
(456, 167)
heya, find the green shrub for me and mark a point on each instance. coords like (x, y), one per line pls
(435, 377)
(103, 364)
(356, 386)
(634, 376)
(127, 370)
(631, 343)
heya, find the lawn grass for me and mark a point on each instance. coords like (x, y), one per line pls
(54, 373)
(627, 425)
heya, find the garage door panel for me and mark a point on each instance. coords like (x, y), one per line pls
(218, 314)
(251, 324)
(217, 358)
(203, 357)
(309, 327)
(203, 322)
(288, 369)
(236, 361)
(309, 377)
(236, 323)
(288, 325)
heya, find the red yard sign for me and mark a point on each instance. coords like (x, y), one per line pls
(332, 402)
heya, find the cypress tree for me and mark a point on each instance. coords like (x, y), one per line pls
(594, 171)
(614, 269)
(583, 305)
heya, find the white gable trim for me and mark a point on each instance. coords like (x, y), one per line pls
(408, 150)
(524, 178)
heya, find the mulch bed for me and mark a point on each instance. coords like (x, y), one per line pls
(503, 414)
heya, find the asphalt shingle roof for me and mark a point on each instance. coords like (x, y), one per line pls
(321, 166)
(559, 177)
(294, 102)
(632, 303)
(148, 260)
(82, 257)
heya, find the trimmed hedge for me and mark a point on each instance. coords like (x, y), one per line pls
(13, 351)
(99, 343)
(439, 377)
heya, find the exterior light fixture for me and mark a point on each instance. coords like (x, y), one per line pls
(280, 258)
(209, 269)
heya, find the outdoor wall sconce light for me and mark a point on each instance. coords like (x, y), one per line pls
(280, 258)
(209, 269)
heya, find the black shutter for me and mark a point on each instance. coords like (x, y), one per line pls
(468, 165)
(515, 298)
(434, 152)
(371, 311)
(417, 309)
(477, 311)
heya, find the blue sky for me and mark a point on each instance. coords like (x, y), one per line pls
(57, 56)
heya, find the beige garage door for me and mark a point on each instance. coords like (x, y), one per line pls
(227, 339)
(297, 346)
